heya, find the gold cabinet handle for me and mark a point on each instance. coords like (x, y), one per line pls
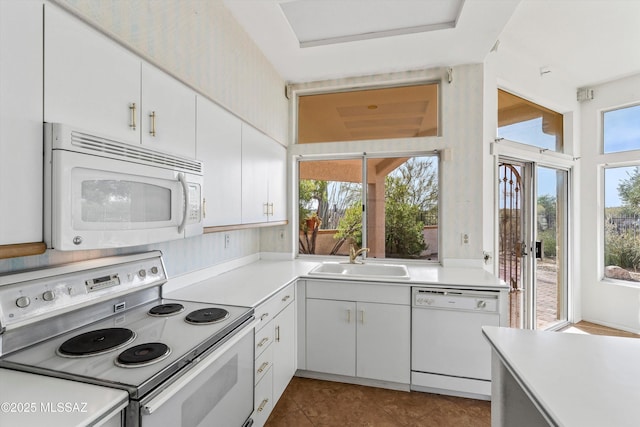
(264, 316)
(263, 341)
(270, 209)
(132, 110)
(265, 209)
(263, 367)
(204, 207)
(278, 333)
(348, 316)
(362, 316)
(285, 298)
(152, 116)
(262, 405)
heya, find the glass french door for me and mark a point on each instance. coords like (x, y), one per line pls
(533, 211)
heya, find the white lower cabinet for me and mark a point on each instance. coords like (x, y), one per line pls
(284, 350)
(360, 335)
(383, 342)
(331, 336)
(263, 402)
(275, 351)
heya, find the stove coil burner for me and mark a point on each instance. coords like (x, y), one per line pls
(96, 342)
(166, 309)
(143, 355)
(207, 316)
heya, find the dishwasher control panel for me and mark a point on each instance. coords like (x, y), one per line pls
(456, 299)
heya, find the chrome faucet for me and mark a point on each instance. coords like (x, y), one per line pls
(353, 254)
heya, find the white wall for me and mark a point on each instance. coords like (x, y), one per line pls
(607, 302)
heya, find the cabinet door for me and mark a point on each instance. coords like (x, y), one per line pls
(20, 121)
(263, 400)
(168, 119)
(89, 80)
(284, 350)
(277, 182)
(255, 175)
(384, 342)
(219, 146)
(331, 337)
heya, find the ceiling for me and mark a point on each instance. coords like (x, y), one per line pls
(583, 42)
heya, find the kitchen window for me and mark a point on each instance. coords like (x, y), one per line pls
(621, 129)
(621, 132)
(369, 114)
(622, 223)
(395, 214)
(523, 121)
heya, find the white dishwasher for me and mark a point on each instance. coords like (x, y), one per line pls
(449, 355)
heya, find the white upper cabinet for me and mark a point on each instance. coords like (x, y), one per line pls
(168, 121)
(20, 121)
(219, 146)
(93, 83)
(263, 177)
(90, 81)
(277, 182)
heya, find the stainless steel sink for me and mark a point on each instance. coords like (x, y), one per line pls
(346, 270)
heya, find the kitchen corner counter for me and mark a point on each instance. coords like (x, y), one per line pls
(35, 400)
(563, 379)
(249, 285)
(254, 283)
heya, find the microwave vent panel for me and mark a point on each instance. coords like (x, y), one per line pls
(138, 154)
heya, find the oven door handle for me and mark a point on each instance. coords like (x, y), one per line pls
(155, 403)
(185, 191)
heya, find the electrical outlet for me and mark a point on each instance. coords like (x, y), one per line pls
(464, 237)
(227, 240)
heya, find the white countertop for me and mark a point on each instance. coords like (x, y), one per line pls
(579, 380)
(255, 282)
(29, 400)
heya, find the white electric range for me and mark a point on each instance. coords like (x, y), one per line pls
(105, 322)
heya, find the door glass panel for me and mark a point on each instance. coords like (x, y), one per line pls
(108, 200)
(549, 289)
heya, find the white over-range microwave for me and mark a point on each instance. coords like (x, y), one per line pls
(102, 193)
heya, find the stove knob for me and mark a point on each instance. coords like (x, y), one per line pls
(154, 270)
(142, 273)
(23, 302)
(49, 296)
(481, 304)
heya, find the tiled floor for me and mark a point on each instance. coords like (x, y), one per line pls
(308, 402)
(315, 403)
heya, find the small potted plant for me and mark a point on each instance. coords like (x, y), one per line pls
(313, 221)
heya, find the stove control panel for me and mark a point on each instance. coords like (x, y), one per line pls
(35, 295)
(103, 282)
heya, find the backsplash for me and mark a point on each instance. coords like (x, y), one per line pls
(180, 256)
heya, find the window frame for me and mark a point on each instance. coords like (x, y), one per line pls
(363, 157)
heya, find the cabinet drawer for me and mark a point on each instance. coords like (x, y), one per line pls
(263, 363)
(274, 305)
(366, 292)
(264, 338)
(263, 403)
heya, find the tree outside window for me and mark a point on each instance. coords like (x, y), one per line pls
(401, 208)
